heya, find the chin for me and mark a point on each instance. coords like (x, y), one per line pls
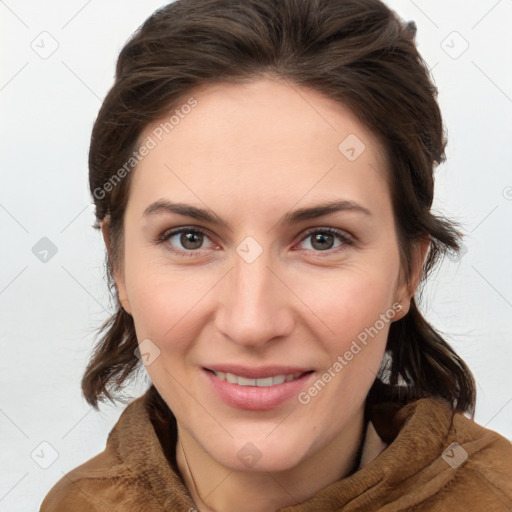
(261, 455)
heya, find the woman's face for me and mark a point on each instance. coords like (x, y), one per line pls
(260, 286)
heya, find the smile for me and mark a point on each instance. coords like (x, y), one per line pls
(257, 389)
(262, 383)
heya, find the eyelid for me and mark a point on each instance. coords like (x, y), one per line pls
(341, 233)
(167, 234)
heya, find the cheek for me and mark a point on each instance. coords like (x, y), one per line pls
(348, 301)
(163, 303)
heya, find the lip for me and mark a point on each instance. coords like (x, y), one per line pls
(255, 398)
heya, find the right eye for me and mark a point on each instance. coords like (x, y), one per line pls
(190, 240)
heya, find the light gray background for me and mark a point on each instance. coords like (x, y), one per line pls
(50, 310)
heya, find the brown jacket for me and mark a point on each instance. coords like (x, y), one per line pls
(413, 459)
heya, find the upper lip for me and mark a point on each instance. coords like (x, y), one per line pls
(257, 372)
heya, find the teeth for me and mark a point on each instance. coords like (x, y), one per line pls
(279, 378)
(262, 383)
(242, 381)
(231, 378)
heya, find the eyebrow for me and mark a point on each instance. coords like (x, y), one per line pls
(294, 217)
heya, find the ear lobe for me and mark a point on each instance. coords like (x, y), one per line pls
(420, 255)
(104, 224)
(117, 273)
(404, 309)
(406, 291)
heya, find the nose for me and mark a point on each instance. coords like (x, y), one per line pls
(255, 304)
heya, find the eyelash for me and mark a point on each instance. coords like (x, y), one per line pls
(343, 237)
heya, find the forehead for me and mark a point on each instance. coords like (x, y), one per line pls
(265, 138)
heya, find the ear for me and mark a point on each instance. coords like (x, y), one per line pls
(118, 273)
(406, 290)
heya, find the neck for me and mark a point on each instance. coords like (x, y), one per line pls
(215, 488)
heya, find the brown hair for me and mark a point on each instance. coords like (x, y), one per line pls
(357, 52)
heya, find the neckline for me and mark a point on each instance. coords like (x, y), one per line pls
(149, 448)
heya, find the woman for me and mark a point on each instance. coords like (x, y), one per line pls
(263, 178)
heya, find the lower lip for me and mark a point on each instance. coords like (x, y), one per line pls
(255, 398)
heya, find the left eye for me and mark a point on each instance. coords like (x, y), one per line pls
(323, 239)
(190, 239)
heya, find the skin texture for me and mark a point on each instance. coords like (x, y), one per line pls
(252, 153)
